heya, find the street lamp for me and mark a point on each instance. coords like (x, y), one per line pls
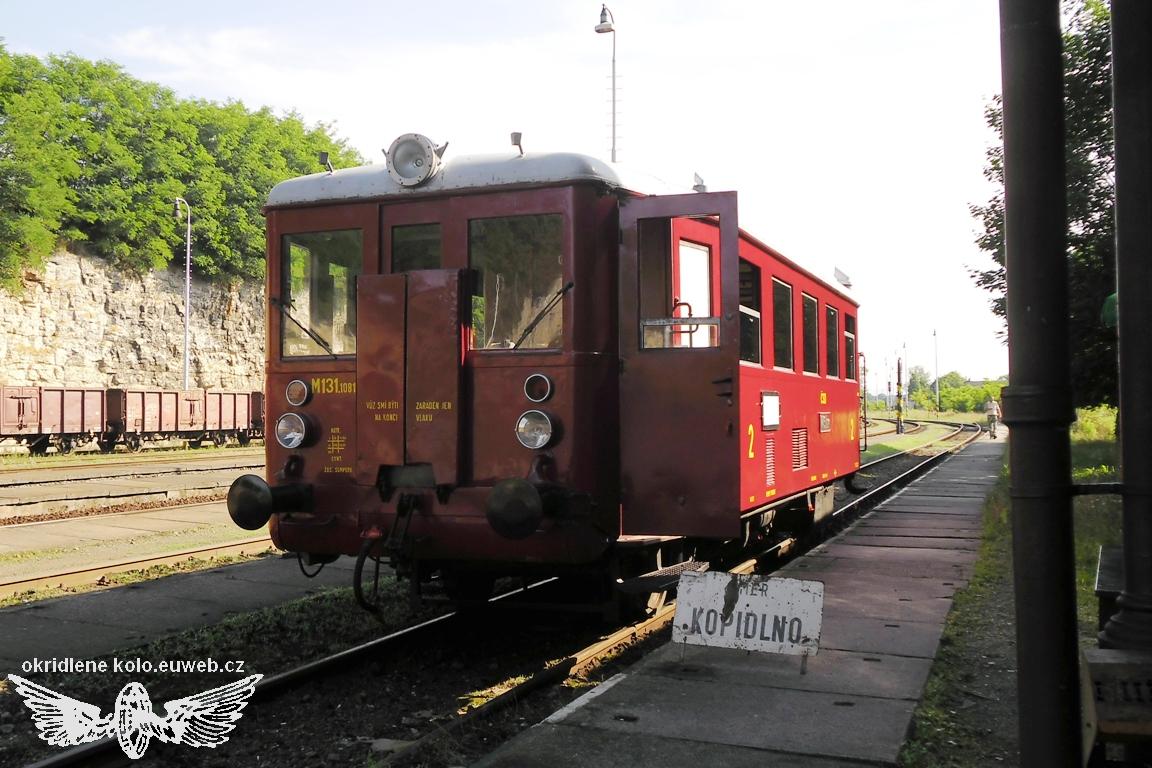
(605, 25)
(936, 351)
(187, 276)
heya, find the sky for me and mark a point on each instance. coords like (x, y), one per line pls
(853, 132)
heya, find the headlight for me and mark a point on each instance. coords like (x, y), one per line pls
(534, 429)
(291, 431)
(298, 392)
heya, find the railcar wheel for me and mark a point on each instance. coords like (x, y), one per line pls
(39, 446)
(135, 443)
(65, 446)
(243, 438)
(106, 446)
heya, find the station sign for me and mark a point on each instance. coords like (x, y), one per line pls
(751, 613)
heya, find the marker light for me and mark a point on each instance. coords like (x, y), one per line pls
(298, 392)
(537, 387)
(291, 431)
(533, 429)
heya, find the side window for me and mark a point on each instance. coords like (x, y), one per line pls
(519, 264)
(811, 328)
(832, 322)
(850, 347)
(782, 325)
(318, 292)
(749, 312)
(692, 295)
(416, 246)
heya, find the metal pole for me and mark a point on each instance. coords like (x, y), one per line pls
(608, 24)
(1037, 401)
(899, 396)
(936, 354)
(1131, 627)
(614, 88)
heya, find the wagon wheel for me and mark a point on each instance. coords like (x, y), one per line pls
(135, 443)
(39, 446)
(218, 439)
(243, 438)
(106, 446)
(65, 445)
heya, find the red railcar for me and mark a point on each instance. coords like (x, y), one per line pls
(520, 363)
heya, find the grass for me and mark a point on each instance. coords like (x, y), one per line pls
(958, 724)
(190, 565)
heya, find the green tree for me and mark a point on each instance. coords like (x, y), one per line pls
(920, 390)
(88, 153)
(1090, 198)
(36, 167)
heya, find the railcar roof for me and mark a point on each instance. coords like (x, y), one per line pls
(468, 172)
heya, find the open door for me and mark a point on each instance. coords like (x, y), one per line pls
(679, 350)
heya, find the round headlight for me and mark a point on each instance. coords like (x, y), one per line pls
(291, 431)
(298, 392)
(534, 429)
(537, 387)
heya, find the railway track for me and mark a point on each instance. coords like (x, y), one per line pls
(46, 473)
(95, 574)
(313, 677)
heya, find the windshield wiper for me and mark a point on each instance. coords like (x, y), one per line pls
(276, 302)
(543, 313)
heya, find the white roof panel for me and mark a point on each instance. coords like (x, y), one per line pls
(369, 182)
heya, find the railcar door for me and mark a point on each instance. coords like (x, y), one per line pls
(679, 350)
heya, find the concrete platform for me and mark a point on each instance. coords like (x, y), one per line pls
(97, 623)
(888, 586)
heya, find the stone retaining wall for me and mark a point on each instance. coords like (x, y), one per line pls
(81, 323)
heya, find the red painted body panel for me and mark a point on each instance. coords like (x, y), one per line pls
(380, 346)
(192, 414)
(71, 411)
(432, 402)
(678, 461)
(19, 411)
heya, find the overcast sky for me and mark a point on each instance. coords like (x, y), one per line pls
(853, 131)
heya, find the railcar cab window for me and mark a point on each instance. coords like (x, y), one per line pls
(811, 328)
(782, 324)
(850, 347)
(519, 266)
(318, 292)
(832, 331)
(749, 312)
(416, 246)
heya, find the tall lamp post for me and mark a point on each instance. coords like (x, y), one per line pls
(606, 25)
(936, 352)
(187, 276)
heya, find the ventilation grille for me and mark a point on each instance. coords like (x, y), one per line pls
(769, 462)
(799, 448)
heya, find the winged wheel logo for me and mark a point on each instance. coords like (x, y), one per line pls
(201, 720)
